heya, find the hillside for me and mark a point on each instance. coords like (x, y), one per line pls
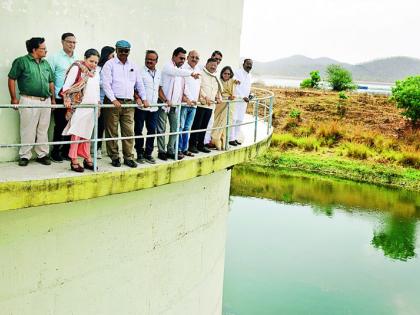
(380, 70)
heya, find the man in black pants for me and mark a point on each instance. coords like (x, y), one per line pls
(59, 63)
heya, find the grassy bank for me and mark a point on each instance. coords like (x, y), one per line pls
(345, 135)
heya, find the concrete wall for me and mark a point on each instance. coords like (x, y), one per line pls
(147, 24)
(155, 251)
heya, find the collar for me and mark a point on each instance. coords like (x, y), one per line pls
(119, 61)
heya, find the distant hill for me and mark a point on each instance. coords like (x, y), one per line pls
(380, 70)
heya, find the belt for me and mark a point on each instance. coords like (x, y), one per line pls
(124, 99)
(39, 98)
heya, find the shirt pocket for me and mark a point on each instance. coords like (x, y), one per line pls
(132, 76)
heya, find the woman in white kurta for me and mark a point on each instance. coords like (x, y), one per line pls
(81, 87)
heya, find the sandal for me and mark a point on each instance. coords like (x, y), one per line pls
(88, 165)
(77, 167)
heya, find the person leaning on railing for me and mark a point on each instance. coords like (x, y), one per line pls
(81, 86)
(35, 81)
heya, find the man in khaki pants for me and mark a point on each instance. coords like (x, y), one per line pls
(35, 82)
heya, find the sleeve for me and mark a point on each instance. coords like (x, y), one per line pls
(52, 75)
(71, 78)
(141, 90)
(51, 62)
(187, 90)
(106, 75)
(173, 71)
(202, 95)
(16, 70)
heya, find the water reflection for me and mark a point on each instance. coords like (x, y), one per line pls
(395, 236)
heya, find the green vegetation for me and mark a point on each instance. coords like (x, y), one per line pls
(339, 78)
(406, 94)
(312, 82)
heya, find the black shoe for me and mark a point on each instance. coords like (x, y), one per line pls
(237, 142)
(162, 156)
(233, 143)
(56, 157)
(188, 153)
(140, 158)
(23, 162)
(150, 159)
(89, 165)
(116, 163)
(45, 160)
(130, 163)
(193, 150)
(172, 156)
(203, 149)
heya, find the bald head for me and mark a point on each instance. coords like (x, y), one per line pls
(193, 58)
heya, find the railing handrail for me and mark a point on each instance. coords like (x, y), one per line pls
(257, 101)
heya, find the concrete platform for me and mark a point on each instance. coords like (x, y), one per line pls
(37, 184)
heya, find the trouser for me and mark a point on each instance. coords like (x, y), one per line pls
(79, 149)
(186, 121)
(238, 118)
(220, 118)
(125, 118)
(207, 137)
(201, 121)
(34, 123)
(161, 128)
(151, 118)
(101, 128)
(60, 123)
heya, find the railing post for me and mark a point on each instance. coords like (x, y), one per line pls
(227, 126)
(95, 139)
(256, 119)
(178, 118)
(270, 114)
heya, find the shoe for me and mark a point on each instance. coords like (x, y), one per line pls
(140, 158)
(162, 156)
(203, 149)
(180, 155)
(88, 165)
(188, 153)
(99, 154)
(130, 163)
(56, 157)
(193, 150)
(210, 146)
(23, 162)
(77, 168)
(45, 160)
(116, 163)
(233, 143)
(150, 159)
(237, 142)
(172, 156)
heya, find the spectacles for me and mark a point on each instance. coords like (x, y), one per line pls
(124, 50)
(70, 42)
(194, 57)
(150, 60)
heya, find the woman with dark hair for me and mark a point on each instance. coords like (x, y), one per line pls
(107, 52)
(81, 86)
(228, 83)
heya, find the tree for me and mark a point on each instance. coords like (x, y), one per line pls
(406, 94)
(313, 81)
(339, 78)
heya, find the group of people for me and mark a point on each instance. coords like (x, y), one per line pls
(110, 77)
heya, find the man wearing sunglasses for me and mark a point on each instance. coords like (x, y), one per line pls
(120, 80)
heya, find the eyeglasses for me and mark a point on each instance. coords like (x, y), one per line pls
(124, 50)
(70, 42)
(150, 60)
(195, 57)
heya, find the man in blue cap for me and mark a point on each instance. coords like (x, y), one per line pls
(120, 79)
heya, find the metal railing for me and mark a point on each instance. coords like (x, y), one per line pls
(260, 103)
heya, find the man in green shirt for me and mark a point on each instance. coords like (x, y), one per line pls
(35, 81)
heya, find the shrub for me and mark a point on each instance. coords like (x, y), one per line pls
(294, 113)
(356, 150)
(339, 78)
(406, 94)
(342, 96)
(330, 133)
(313, 81)
(411, 159)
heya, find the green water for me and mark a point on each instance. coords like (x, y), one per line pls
(318, 246)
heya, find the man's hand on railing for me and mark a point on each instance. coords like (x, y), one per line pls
(15, 103)
(246, 99)
(139, 102)
(67, 102)
(146, 104)
(116, 103)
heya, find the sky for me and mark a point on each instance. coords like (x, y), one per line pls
(350, 31)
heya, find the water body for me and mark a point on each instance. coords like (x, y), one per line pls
(363, 87)
(320, 246)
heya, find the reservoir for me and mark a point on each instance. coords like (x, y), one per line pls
(308, 245)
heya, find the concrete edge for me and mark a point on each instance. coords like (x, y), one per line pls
(24, 194)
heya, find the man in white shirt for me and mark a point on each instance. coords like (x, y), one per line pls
(242, 91)
(171, 92)
(188, 111)
(151, 79)
(119, 79)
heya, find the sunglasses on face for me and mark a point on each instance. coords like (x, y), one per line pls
(124, 50)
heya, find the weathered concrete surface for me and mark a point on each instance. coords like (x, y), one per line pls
(37, 185)
(149, 252)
